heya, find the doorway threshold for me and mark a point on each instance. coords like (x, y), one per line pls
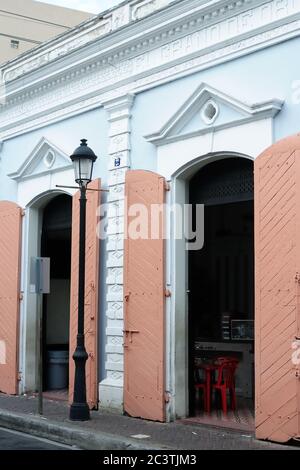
(240, 420)
(56, 395)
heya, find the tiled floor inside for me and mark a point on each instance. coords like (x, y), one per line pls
(242, 419)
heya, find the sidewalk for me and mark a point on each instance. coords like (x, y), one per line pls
(111, 431)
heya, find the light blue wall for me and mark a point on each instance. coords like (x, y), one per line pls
(65, 135)
(260, 76)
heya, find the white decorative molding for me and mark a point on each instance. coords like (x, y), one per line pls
(210, 111)
(141, 9)
(204, 94)
(119, 115)
(45, 158)
(49, 159)
(146, 54)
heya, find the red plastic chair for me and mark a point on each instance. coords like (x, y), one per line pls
(226, 381)
(222, 359)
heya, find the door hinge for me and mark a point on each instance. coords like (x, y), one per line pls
(129, 333)
(168, 293)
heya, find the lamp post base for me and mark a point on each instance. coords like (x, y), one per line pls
(79, 412)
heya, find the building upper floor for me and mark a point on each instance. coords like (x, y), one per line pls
(26, 24)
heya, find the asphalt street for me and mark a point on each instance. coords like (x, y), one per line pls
(12, 440)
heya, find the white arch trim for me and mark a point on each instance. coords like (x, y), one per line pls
(248, 139)
(35, 188)
(192, 167)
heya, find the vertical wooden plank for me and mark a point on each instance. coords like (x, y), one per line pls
(297, 285)
(257, 314)
(10, 255)
(91, 292)
(144, 289)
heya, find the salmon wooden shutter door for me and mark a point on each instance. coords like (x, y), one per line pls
(91, 292)
(10, 254)
(144, 290)
(277, 274)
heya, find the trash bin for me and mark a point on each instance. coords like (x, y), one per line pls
(57, 370)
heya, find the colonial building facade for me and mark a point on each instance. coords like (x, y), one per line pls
(180, 100)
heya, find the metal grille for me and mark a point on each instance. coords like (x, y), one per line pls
(225, 181)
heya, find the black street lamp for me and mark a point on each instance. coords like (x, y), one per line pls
(83, 159)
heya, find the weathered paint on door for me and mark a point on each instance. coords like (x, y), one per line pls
(91, 292)
(144, 300)
(10, 254)
(277, 290)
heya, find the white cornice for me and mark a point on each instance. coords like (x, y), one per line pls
(157, 49)
(171, 130)
(122, 43)
(119, 18)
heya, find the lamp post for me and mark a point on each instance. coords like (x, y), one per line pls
(83, 159)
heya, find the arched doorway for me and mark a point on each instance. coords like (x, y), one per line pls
(179, 341)
(33, 246)
(56, 244)
(49, 220)
(221, 286)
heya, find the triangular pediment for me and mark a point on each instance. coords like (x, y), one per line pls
(45, 158)
(207, 110)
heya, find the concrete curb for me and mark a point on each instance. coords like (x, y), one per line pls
(68, 434)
